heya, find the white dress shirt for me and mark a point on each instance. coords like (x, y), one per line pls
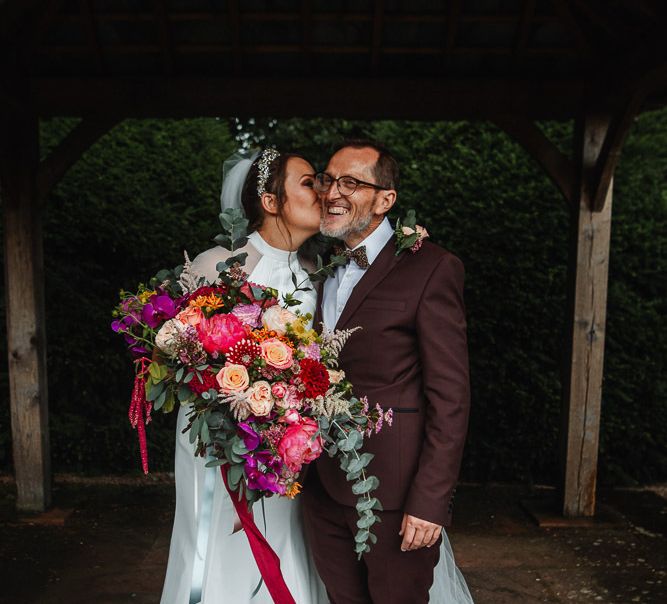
(337, 289)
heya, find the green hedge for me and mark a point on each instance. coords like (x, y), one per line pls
(149, 189)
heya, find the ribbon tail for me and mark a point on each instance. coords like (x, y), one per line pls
(267, 560)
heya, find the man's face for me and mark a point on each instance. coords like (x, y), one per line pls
(349, 217)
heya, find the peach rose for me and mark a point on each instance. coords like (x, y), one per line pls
(233, 378)
(191, 315)
(260, 398)
(276, 319)
(407, 231)
(277, 353)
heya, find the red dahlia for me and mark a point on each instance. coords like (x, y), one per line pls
(244, 352)
(315, 378)
(209, 382)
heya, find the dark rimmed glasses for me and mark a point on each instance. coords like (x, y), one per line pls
(346, 185)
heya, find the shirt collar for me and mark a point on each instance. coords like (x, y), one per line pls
(377, 240)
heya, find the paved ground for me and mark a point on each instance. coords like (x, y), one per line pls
(112, 546)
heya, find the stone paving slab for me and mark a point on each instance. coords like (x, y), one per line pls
(112, 546)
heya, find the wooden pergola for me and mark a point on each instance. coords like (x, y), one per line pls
(509, 61)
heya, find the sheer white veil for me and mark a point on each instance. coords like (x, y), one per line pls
(234, 172)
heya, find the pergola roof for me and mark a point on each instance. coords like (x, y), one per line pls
(424, 58)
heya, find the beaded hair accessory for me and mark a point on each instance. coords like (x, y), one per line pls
(268, 156)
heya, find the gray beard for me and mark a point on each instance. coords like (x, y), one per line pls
(358, 226)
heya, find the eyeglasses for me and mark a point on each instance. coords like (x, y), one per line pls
(346, 185)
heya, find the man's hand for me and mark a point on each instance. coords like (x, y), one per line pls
(418, 533)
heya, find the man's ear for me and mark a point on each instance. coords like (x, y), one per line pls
(385, 201)
(269, 203)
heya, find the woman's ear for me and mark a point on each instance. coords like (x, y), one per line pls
(269, 203)
(385, 201)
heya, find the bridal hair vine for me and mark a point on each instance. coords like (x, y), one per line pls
(268, 155)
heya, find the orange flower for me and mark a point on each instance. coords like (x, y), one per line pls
(211, 301)
(293, 490)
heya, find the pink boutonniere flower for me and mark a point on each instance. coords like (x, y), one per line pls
(409, 235)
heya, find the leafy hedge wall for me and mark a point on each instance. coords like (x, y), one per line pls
(149, 189)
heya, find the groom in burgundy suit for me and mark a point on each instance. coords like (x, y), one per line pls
(411, 355)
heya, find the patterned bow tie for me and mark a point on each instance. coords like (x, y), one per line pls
(358, 255)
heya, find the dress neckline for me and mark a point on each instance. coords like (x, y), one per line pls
(285, 256)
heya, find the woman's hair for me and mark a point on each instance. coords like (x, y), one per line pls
(275, 184)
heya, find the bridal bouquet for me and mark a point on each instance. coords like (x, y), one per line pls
(266, 392)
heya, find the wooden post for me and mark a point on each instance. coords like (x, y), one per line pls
(24, 292)
(582, 384)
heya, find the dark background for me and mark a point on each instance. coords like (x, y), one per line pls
(149, 189)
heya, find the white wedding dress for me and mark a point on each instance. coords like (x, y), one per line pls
(209, 564)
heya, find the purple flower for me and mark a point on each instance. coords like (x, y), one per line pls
(250, 438)
(248, 314)
(312, 351)
(261, 470)
(159, 309)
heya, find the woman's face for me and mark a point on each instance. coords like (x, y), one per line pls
(302, 209)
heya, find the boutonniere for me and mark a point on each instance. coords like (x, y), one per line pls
(409, 235)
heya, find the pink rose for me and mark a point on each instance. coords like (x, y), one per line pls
(298, 446)
(219, 333)
(279, 389)
(421, 231)
(191, 315)
(276, 353)
(291, 400)
(407, 231)
(260, 398)
(291, 416)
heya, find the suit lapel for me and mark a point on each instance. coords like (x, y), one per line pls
(385, 262)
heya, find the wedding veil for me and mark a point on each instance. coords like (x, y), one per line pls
(234, 172)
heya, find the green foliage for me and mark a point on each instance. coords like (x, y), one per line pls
(149, 189)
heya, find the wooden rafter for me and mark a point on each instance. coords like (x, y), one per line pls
(574, 26)
(378, 15)
(597, 15)
(599, 178)
(307, 33)
(165, 36)
(91, 33)
(200, 96)
(523, 29)
(65, 155)
(453, 16)
(557, 165)
(235, 26)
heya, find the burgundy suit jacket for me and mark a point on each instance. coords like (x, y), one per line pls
(411, 355)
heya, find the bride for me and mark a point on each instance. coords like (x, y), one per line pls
(209, 563)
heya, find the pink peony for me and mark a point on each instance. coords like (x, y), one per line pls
(219, 333)
(298, 446)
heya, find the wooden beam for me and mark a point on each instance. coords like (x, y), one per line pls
(556, 164)
(24, 295)
(184, 97)
(587, 297)
(376, 44)
(523, 30)
(91, 33)
(568, 19)
(165, 36)
(235, 26)
(307, 35)
(68, 152)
